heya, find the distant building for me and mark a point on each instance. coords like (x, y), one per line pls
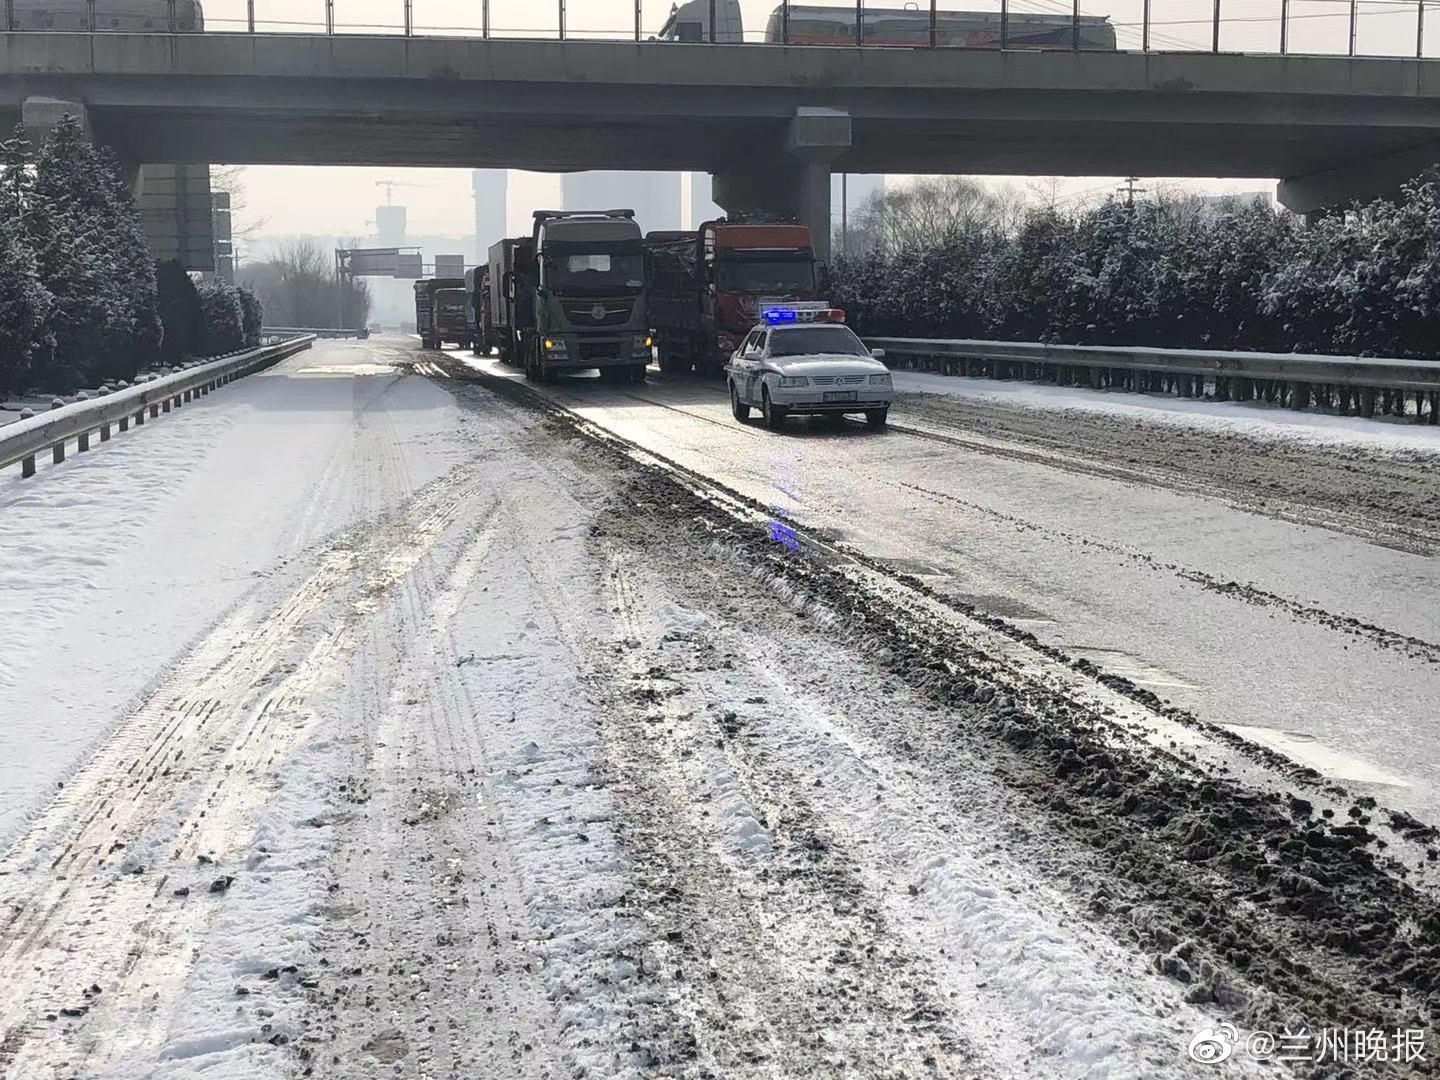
(655, 197)
(390, 225)
(857, 191)
(1229, 202)
(490, 188)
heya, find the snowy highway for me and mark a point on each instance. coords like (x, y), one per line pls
(383, 715)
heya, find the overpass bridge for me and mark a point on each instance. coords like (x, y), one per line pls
(771, 122)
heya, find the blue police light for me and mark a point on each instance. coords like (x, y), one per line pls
(775, 316)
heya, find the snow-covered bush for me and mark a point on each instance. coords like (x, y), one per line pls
(180, 313)
(224, 317)
(1167, 272)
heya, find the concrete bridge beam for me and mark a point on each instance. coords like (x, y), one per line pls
(1331, 189)
(794, 183)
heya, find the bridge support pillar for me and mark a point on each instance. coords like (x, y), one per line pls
(796, 182)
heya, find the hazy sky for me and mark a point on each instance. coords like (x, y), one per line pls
(342, 201)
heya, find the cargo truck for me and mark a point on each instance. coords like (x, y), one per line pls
(572, 296)
(705, 288)
(440, 312)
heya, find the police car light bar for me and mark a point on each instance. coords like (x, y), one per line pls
(801, 311)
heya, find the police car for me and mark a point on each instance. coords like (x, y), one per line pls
(803, 360)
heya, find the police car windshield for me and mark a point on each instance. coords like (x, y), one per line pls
(806, 340)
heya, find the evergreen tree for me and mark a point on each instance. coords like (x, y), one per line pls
(25, 305)
(73, 238)
(181, 315)
(224, 318)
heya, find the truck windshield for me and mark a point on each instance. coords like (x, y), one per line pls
(594, 272)
(787, 277)
(809, 340)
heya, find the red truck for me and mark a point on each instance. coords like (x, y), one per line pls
(705, 287)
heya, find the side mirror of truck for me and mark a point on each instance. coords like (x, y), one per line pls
(878, 354)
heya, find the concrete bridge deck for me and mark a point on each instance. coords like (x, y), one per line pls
(1332, 127)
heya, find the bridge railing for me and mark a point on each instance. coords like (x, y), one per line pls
(23, 440)
(1393, 28)
(1349, 385)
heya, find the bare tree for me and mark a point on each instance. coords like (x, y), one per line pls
(926, 212)
(299, 288)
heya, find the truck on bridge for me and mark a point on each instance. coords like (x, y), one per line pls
(910, 26)
(440, 312)
(705, 287)
(571, 296)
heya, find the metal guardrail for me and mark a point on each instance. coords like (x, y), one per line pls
(24, 439)
(1348, 384)
(319, 332)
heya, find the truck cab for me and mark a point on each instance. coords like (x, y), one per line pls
(579, 296)
(690, 23)
(440, 311)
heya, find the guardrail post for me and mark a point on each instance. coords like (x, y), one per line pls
(1284, 26)
(105, 432)
(9, 14)
(125, 423)
(57, 452)
(1420, 29)
(250, 16)
(1299, 395)
(1354, 23)
(82, 442)
(164, 407)
(1145, 27)
(27, 467)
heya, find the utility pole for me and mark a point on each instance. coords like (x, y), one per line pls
(1129, 190)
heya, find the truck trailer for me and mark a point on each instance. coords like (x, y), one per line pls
(705, 287)
(440, 312)
(572, 296)
(477, 310)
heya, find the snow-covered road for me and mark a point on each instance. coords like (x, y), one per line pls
(1261, 592)
(436, 735)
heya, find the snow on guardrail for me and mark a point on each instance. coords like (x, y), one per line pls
(1348, 384)
(23, 440)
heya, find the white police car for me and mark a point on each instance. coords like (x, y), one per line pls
(804, 360)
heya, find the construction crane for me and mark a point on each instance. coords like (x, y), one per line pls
(391, 185)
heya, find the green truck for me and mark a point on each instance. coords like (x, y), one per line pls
(571, 296)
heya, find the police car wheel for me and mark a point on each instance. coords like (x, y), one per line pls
(774, 414)
(738, 408)
(876, 418)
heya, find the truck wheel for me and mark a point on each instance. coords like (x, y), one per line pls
(671, 364)
(637, 373)
(738, 408)
(876, 418)
(774, 414)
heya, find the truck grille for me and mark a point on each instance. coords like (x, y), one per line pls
(599, 350)
(611, 313)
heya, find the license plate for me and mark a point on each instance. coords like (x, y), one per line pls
(839, 395)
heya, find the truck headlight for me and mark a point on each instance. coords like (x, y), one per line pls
(556, 347)
(642, 342)
(879, 380)
(789, 382)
